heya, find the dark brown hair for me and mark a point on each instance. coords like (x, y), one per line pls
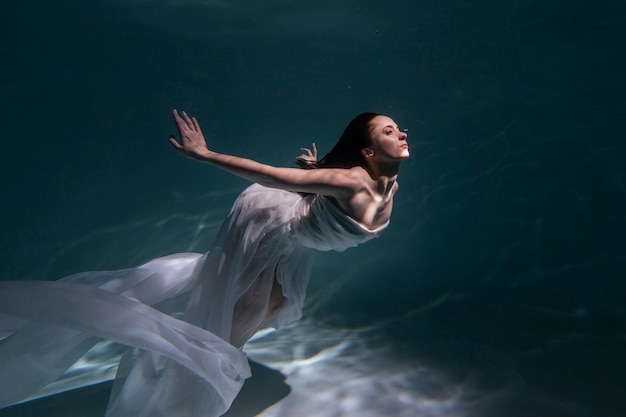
(347, 152)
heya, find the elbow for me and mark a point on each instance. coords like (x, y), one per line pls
(272, 182)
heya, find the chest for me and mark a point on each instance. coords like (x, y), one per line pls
(372, 211)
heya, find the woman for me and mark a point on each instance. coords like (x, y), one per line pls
(255, 275)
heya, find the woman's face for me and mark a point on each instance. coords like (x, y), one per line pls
(387, 141)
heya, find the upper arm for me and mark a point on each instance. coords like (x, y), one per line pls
(334, 182)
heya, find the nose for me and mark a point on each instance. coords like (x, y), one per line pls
(403, 135)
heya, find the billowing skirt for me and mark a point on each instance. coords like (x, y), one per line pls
(176, 314)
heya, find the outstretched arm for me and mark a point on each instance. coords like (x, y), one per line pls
(338, 183)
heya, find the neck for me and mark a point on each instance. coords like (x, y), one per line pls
(384, 175)
(385, 172)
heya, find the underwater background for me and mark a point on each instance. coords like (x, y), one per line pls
(499, 287)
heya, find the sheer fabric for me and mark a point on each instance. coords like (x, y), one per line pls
(186, 366)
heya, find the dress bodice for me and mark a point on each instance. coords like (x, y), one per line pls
(323, 226)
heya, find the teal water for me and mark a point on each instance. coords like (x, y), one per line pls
(498, 288)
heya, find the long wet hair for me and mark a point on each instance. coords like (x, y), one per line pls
(347, 151)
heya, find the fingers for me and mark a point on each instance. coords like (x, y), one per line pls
(196, 125)
(175, 143)
(177, 118)
(180, 123)
(185, 121)
(308, 153)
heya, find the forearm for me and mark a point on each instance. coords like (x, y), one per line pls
(253, 171)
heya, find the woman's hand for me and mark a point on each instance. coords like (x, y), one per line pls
(308, 160)
(192, 142)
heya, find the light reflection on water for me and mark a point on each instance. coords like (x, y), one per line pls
(330, 372)
(335, 372)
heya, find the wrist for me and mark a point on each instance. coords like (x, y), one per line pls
(205, 155)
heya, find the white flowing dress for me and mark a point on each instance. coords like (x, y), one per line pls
(175, 313)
